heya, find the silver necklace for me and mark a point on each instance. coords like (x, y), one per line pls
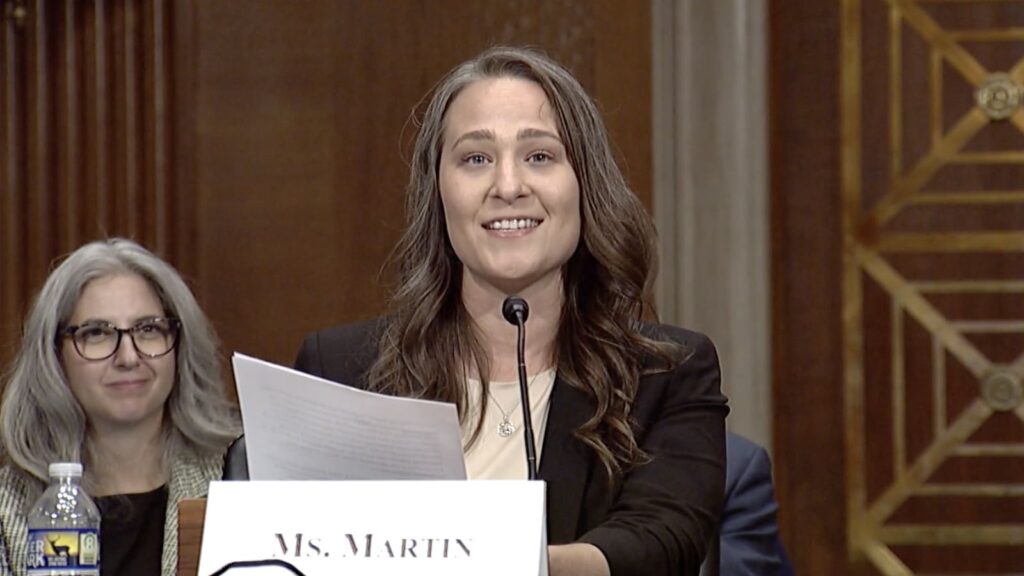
(506, 428)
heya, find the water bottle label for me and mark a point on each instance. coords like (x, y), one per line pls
(75, 550)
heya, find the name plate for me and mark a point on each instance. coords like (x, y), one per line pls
(369, 528)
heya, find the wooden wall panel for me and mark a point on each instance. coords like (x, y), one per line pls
(87, 141)
(259, 147)
(934, 252)
(806, 300)
(11, 174)
(897, 259)
(301, 130)
(282, 124)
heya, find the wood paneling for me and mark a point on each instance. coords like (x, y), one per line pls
(12, 165)
(191, 516)
(260, 147)
(806, 249)
(897, 294)
(87, 148)
(934, 252)
(302, 125)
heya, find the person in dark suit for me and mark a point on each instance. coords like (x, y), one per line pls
(749, 543)
(514, 190)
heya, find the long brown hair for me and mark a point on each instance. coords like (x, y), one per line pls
(429, 339)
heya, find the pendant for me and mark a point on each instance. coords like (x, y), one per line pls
(506, 428)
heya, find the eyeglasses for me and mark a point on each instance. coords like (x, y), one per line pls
(152, 338)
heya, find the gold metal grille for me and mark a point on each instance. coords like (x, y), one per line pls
(872, 248)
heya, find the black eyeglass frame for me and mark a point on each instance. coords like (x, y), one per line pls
(173, 323)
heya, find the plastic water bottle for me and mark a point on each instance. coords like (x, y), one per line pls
(64, 527)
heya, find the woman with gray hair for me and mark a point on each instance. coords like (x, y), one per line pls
(118, 369)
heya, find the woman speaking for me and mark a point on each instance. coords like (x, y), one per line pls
(514, 191)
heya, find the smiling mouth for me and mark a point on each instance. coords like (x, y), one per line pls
(126, 384)
(512, 224)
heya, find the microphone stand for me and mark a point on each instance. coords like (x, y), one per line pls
(515, 310)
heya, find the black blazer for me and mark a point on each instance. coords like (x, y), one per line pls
(662, 516)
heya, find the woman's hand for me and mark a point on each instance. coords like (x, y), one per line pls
(577, 560)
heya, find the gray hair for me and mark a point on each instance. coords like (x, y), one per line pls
(42, 422)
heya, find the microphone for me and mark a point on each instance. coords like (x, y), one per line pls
(516, 311)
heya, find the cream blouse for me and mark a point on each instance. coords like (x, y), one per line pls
(494, 456)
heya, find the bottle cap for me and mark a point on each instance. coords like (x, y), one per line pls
(65, 469)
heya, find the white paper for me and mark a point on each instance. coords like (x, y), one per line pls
(300, 427)
(377, 528)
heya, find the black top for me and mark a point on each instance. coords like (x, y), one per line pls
(132, 532)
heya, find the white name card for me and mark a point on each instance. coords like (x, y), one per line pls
(368, 528)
